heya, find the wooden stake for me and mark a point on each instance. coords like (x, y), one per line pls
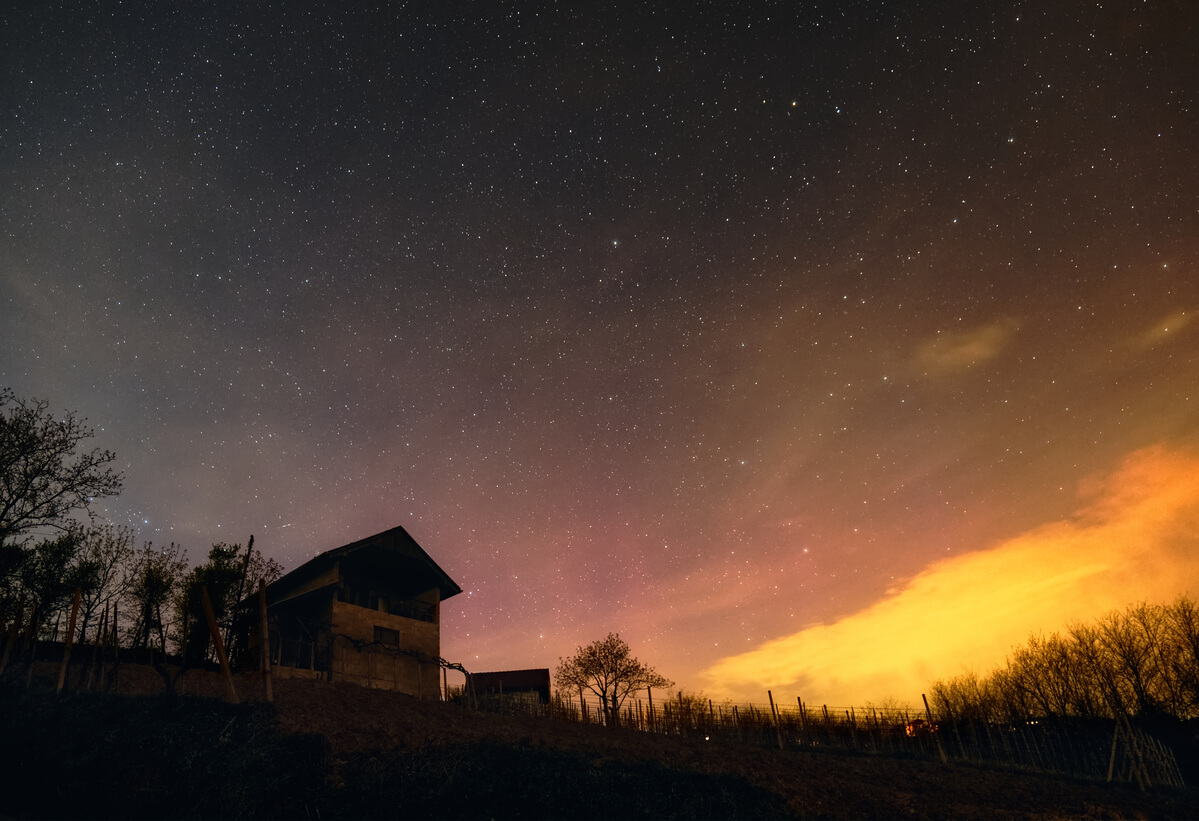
(116, 653)
(241, 586)
(70, 637)
(933, 728)
(33, 616)
(13, 630)
(774, 712)
(96, 645)
(215, 630)
(265, 640)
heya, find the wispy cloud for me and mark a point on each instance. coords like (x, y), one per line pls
(1167, 328)
(948, 353)
(1135, 540)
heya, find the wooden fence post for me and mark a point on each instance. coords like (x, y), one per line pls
(934, 729)
(265, 640)
(778, 731)
(1139, 770)
(116, 653)
(70, 637)
(13, 630)
(96, 645)
(32, 641)
(215, 630)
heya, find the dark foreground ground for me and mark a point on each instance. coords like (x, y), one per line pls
(338, 751)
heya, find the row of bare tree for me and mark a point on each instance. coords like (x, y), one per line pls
(1143, 661)
(51, 547)
(150, 594)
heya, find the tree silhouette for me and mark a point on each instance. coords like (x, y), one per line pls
(608, 669)
(1143, 661)
(157, 575)
(44, 477)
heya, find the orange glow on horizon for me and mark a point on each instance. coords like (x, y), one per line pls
(1134, 541)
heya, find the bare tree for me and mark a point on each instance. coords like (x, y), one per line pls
(1143, 661)
(44, 476)
(222, 574)
(1131, 660)
(106, 566)
(608, 669)
(156, 579)
(1182, 619)
(48, 575)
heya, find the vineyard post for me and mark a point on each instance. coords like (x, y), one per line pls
(1111, 764)
(774, 712)
(1139, 770)
(87, 680)
(66, 645)
(13, 630)
(101, 673)
(929, 713)
(32, 642)
(991, 751)
(265, 640)
(972, 726)
(957, 734)
(215, 631)
(116, 652)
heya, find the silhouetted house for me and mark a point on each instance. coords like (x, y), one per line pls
(366, 613)
(523, 685)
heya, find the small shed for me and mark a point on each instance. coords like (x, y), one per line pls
(524, 685)
(368, 613)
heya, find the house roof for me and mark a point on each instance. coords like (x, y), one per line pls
(513, 680)
(392, 551)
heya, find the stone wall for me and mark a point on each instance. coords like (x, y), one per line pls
(412, 667)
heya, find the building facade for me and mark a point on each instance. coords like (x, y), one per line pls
(368, 613)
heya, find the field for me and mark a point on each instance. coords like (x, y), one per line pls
(336, 751)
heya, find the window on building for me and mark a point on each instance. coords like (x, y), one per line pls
(357, 593)
(387, 637)
(412, 609)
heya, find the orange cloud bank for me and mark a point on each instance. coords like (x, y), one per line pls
(1136, 540)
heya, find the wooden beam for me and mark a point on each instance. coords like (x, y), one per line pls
(215, 630)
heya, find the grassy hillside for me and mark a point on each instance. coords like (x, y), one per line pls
(337, 751)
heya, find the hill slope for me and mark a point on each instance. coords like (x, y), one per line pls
(334, 751)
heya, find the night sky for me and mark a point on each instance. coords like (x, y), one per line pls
(822, 347)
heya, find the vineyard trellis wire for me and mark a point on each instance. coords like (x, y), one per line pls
(1095, 750)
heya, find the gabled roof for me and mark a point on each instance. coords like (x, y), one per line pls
(390, 551)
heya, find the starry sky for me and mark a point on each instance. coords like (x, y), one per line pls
(829, 347)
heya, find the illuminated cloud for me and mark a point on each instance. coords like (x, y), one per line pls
(1167, 328)
(1134, 541)
(948, 353)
